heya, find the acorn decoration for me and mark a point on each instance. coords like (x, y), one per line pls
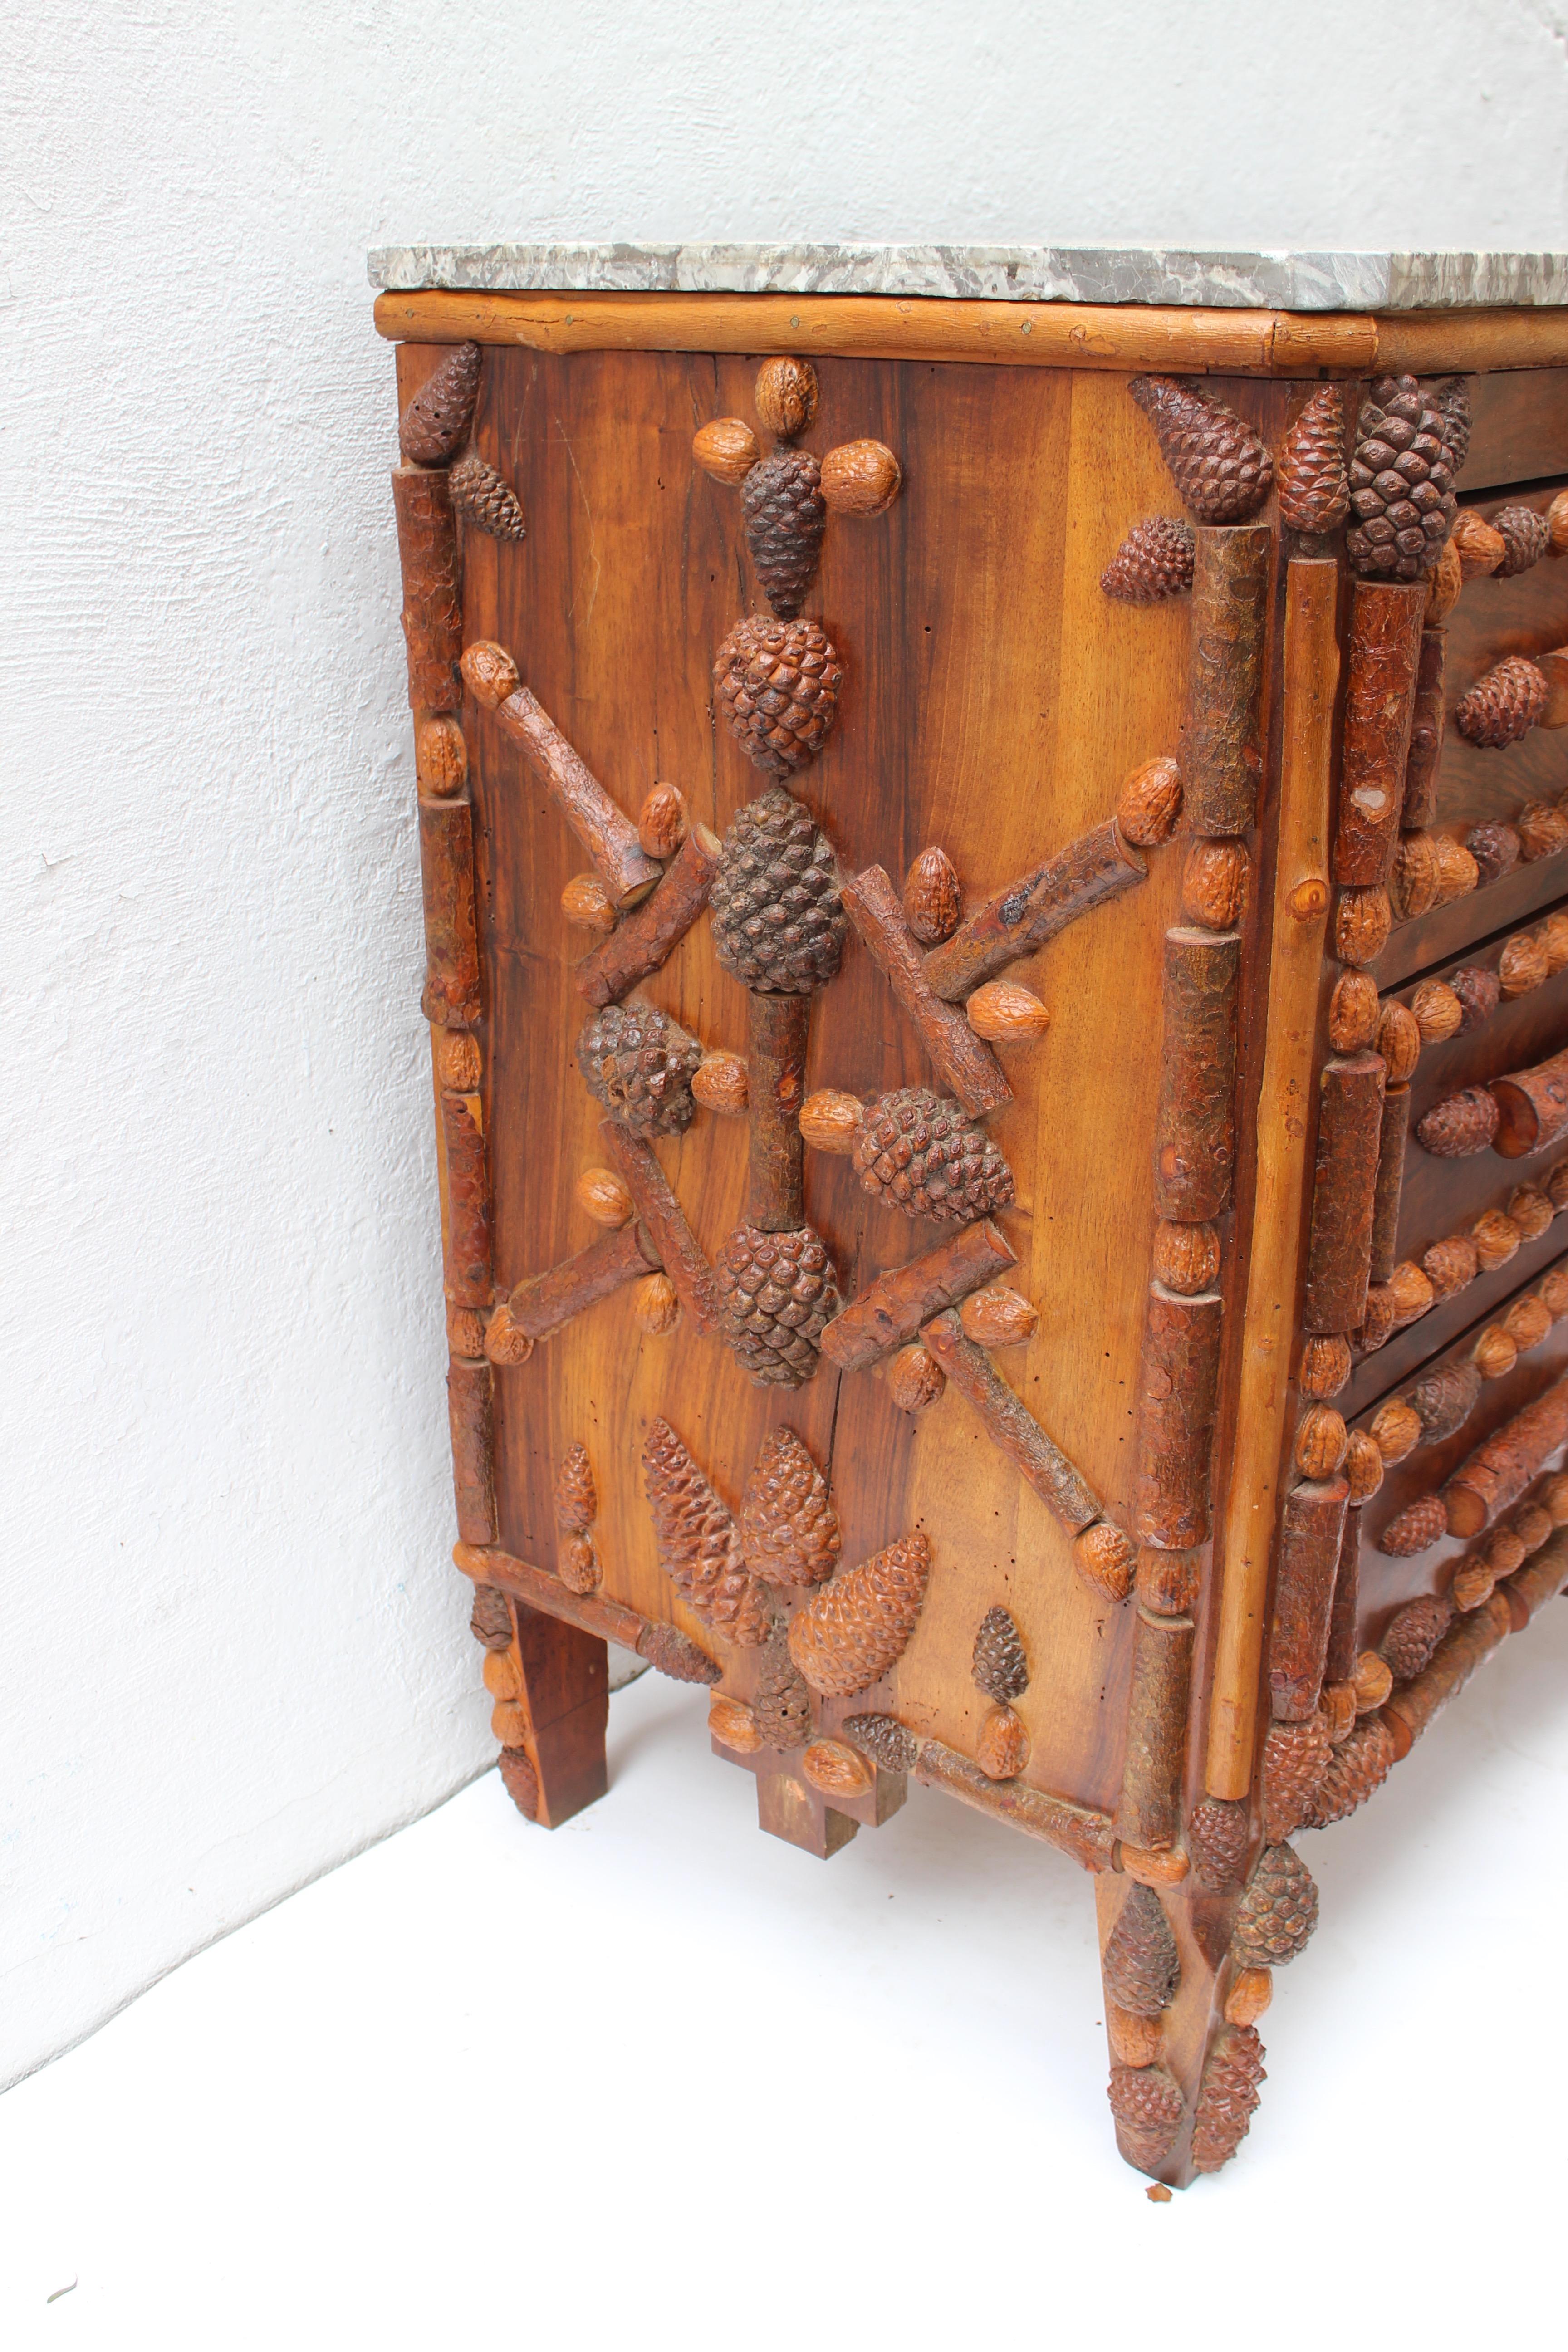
(778, 922)
(1314, 488)
(1502, 707)
(918, 1151)
(778, 684)
(1217, 462)
(1401, 482)
(1154, 562)
(779, 1292)
(639, 1063)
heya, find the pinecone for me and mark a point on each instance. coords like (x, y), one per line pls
(1227, 2099)
(576, 1497)
(1414, 1634)
(1502, 707)
(1140, 1963)
(1295, 1758)
(1495, 848)
(1445, 1399)
(1451, 399)
(1460, 1125)
(1314, 489)
(698, 1548)
(782, 1703)
(779, 1294)
(639, 1065)
(1154, 562)
(782, 501)
(490, 1621)
(917, 1151)
(1415, 1528)
(884, 1738)
(1278, 1913)
(789, 1528)
(1217, 462)
(1355, 1768)
(522, 1780)
(1401, 482)
(1147, 2107)
(1000, 1668)
(848, 1636)
(778, 921)
(482, 498)
(670, 1652)
(1479, 991)
(778, 684)
(435, 422)
(1526, 535)
(1218, 1834)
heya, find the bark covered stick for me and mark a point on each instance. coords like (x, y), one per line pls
(1344, 1191)
(470, 1280)
(470, 1414)
(541, 1306)
(1379, 700)
(672, 1237)
(1011, 1425)
(643, 941)
(592, 1612)
(1222, 755)
(1492, 1478)
(451, 997)
(1177, 1386)
(1097, 866)
(1419, 808)
(609, 836)
(1469, 1640)
(1310, 1535)
(1195, 1145)
(1532, 1107)
(775, 1089)
(1389, 1184)
(1088, 1836)
(1344, 1618)
(432, 600)
(890, 1310)
(1149, 1810)
(963, 1061)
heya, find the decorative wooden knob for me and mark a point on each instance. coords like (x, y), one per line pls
(719, 1083)
(1002, 1750)
(1325, 1365)
(588, 905)
(1186, 1256)
(1478, 547)
(1495, 1353)
(1438, 1013)
(861, 477)
(662, 821)
(502, 1674)
(998, 1318)
(504, 1342)
(836, 1770)
(490, 673)
(1320, 1442)
(457, 1065)
(1251, 1990)
(733, 1724)
(1214, 883)
(1399, 1041)
(1363, 1465)
(728, 449)
(786, 394)
(1396, 1431)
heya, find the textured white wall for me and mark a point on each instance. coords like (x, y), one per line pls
(234, 1650)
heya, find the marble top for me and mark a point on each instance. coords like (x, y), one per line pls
(1028, 273)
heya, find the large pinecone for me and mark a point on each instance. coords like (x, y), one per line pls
(1295, 1758)
(782, 501)
(638, 1063)
(1451, 399)
(1401, 482)
(1502, 707)
(1526, 535)
(778, 921)
(1278, 1913)
(1218, 1834)
(917, 1151)
(1217, 462)
(698, 1548)
(778, 684)
(1139, 1964)
(850, 1632)
(435, 424)
(1314, 489)
(782, 1702)
(1361, 1764)
(789, 1528)
(884, 1738)
(1000, 1667)
(1147, 2107)
(482, 498)
(779, 1294)
(1227, 2098)
(1154, 562)
(1414, 1634)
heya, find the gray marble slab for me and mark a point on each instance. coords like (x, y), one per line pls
(1037, 273)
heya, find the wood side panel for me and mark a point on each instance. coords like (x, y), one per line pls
(1520, 428)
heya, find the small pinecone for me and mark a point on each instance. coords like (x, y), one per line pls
(639, 1065)
(698, 1548)
(782, 1703)
(778, 921)
(482, 498)
(1355, 1768)
(1000, 1668)
(789, 1528)
(1154, 562)
(1314, 489)
(1526, 535)
(846, 1638)
(435, 422)
(1445, 1399)
(884, 1738)
(1217, 462)
(1480, 994)
(521, 1781)
(1295, 1758)
(1216, 1835)
(1417, 1528)
(1495, 848)
(670, 1652)
(1460, 1125)
(782, 501)
(1227, 2099)
(490, 1621)
(778, 684)
(1502, 707)
(577, 1497)
(1451, 399)
(1147, 2107)
(918, 1152)
(1139, 1964)
(1278, 1913)
(779, 1292)
(1415, 1633)
(1402, 483)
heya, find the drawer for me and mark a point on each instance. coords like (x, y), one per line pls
(1520, 427)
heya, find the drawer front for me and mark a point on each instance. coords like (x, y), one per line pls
(1520, 427)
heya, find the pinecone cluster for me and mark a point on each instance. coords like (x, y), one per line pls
(639, 1063)
(1414, 1634)
(482, 498)
(1227, 2099)
(781, 1702)
(778, 684)
(1295, 1758)
(1401, 482)
(1502, 707)
(885, 1740)
(785, 517)
(1147, 2106)
(850, 1632)
(1141, 1965)
(1278, 1912)
(1154, 562)
(778, 922)
(1217, 462)
(789, 1528)
(698, 1548)
(1314, 489)
(1000, 1667)
(779, 1294)
(1358, 1766)
(918, 1152)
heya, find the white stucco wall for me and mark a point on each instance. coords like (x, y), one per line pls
(234, 1651)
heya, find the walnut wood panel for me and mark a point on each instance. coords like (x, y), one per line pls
(1520, 428)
